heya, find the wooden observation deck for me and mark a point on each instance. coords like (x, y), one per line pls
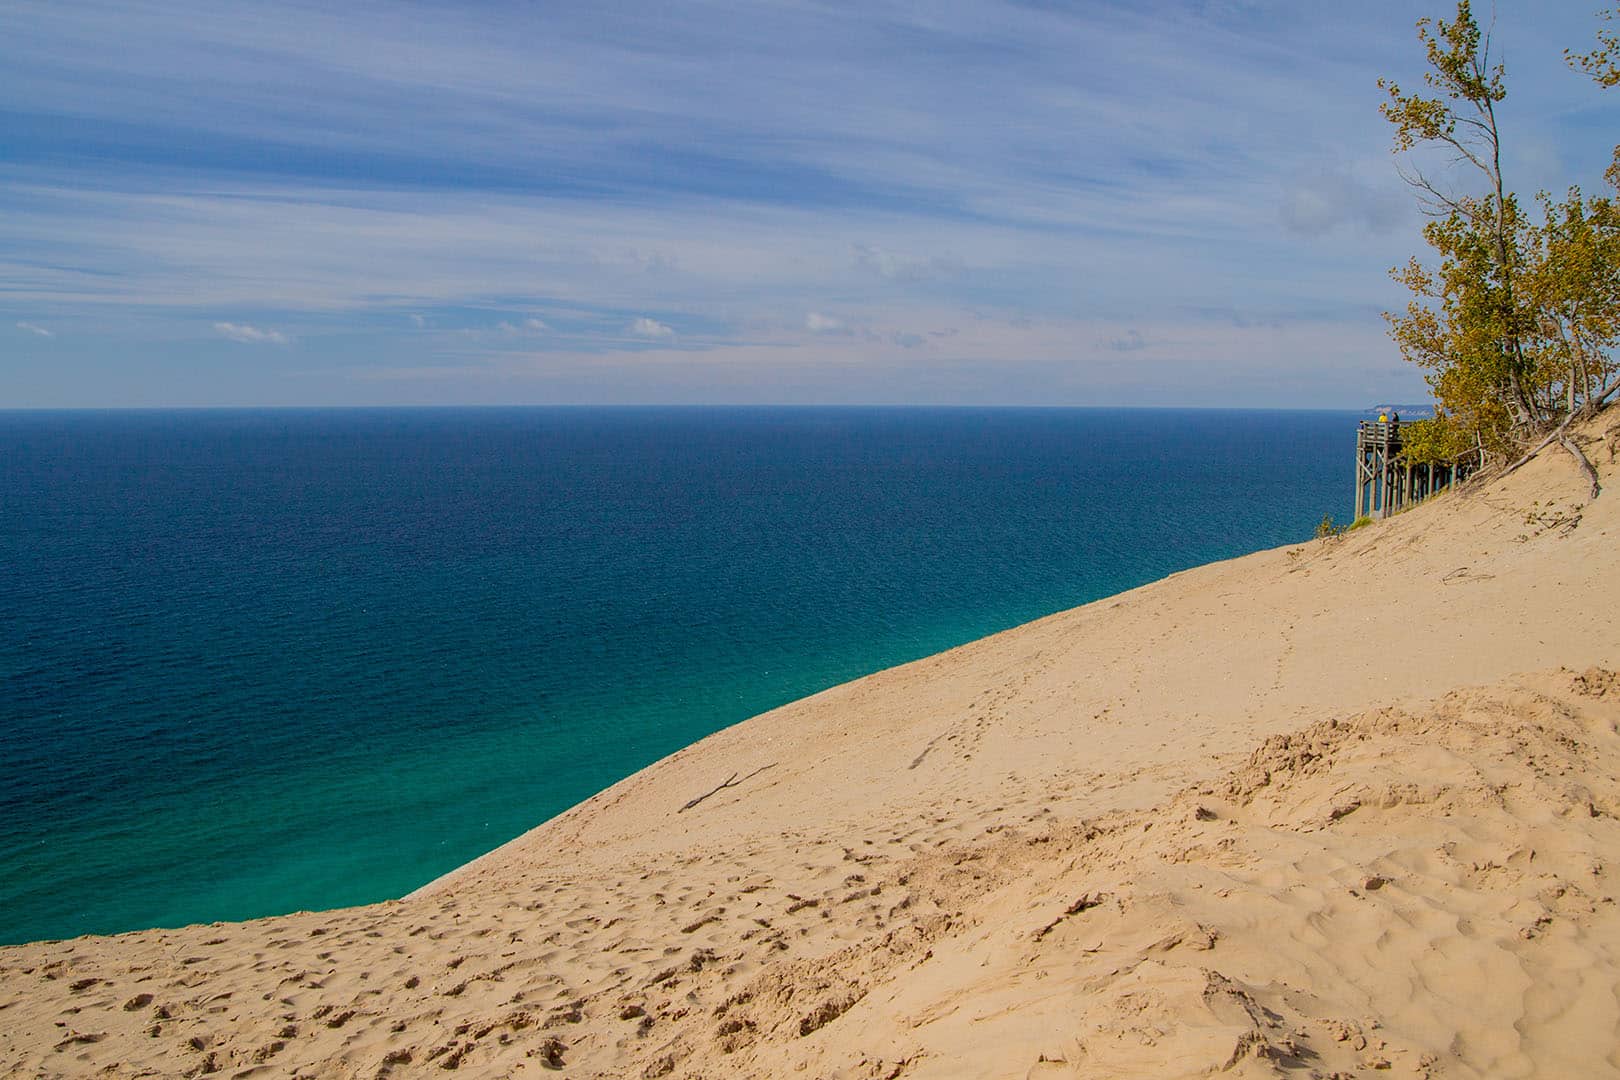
(1386, 483)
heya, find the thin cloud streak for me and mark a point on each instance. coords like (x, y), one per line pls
(243, 334)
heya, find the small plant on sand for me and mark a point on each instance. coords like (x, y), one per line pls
(1327, 530)
(1550, 518)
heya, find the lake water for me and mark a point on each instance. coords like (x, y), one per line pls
(260, 661)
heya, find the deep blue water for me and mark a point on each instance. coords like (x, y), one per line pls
(259, 661)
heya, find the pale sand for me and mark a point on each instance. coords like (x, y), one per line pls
(1345, 808)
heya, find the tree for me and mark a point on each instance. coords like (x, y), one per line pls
(1457, 326)
(1517, 324)
(1573, 286)
(1477, 230)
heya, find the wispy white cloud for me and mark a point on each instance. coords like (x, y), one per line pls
(526, 326)
(418, 320)
(817, 323)
(38, 331)
(982, 359)
(641, 326)
(250, 335)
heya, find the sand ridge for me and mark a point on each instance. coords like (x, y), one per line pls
(1343, 808)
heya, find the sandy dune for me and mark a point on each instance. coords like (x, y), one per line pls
(1346, 808)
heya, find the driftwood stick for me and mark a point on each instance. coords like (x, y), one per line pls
(729, 782)
(1586, 466)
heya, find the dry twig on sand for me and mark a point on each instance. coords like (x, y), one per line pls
(730, 781)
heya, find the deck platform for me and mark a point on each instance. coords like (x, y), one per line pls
(1387, 483)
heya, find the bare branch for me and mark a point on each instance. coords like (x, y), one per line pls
(1441, 202)
(729, 782)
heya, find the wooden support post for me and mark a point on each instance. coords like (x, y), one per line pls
(1357, 511)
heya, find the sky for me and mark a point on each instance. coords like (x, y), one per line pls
(263, 202)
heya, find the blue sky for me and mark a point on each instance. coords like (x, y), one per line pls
(264, 203)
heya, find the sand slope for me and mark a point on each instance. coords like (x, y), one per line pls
(1344, 808)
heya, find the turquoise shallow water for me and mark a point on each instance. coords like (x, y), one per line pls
(259, 661)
